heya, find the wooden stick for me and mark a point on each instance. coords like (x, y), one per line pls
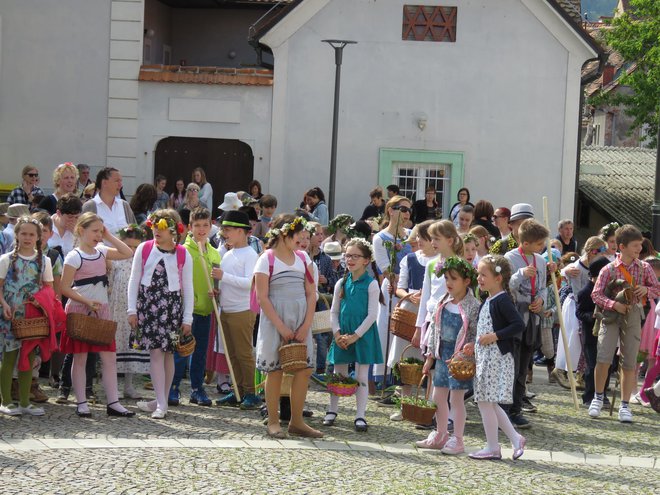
(564, 338)
(220, 329)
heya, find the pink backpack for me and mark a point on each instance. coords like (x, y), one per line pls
(180, 257)
(254, 302)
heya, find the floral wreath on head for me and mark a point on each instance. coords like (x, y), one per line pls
(132, 229)
(27, 219)
(290, 227)
(340, 222)
(460, 266)
(359, 241)
(161, 223)
(470, 238)
(610, 229)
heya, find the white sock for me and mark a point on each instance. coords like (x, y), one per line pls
(78, 379)
(362, 394)
(157, 368)
(505, 425)
(128, 382)
(109, 378)
(489, 419)
(340, 369)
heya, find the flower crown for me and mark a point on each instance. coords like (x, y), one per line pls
(610, 229)
(359, 241)
(470, 238)
(26, 219)
(162, 223)
(460, 266)
(290, 227)
(340, 222)
(132, 229)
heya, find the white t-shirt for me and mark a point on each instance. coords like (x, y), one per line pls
(238, 267)
(46, 274)
(279, 266)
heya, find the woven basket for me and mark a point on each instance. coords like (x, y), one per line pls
(30, 328)
(402, 321)
(185, 346)
(418, 414)
(411, 373)
(462, 366)
(342, 389)
(90, 329)
(293, 357)
(321, 322)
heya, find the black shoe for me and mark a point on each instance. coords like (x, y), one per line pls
(361, 425)
(285, 408)
(90, 394)
(82, 414)
(432, 426)
(528, 407)
(519, 422)
(308, 413)
(606, 402)
(329, 419)
(113, 412)
(387, 401)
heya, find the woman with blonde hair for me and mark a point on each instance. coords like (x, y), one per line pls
(28, 189)
(65, 180)
(205, 189)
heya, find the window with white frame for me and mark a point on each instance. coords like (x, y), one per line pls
(413, 178)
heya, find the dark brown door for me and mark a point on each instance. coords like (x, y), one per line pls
(228, 163)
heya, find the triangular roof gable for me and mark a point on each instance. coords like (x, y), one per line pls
(300, 12)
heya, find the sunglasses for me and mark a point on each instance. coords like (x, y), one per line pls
(402, 209)
(32, 175)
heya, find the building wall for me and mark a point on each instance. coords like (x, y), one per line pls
(505, 94)
(53, 84)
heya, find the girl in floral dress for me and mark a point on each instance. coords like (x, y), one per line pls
(130, 361)
(85, 283)
(160, 302)
(499, 322)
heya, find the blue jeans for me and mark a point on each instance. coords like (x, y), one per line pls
(201, 327)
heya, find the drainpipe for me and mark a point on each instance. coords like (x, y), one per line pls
(602, 58)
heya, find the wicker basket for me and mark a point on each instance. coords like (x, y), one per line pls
(90, 329)
(411, 373)
(402, 321)
(342, 389)
(186, 345)
(322, 322)
(462, 366)
(31, 328)
(293, 357)
(418, 414)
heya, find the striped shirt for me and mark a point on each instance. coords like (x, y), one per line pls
(641, 273)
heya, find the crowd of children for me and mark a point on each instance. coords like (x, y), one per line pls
(246, 285)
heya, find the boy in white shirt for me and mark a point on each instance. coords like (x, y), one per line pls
(235, 274)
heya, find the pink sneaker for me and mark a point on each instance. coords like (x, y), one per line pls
(485, 454)
(454, 446)
(434, 441)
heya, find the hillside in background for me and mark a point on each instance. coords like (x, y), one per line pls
(597, 8)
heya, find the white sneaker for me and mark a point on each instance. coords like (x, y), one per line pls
(637, 398)
(595, 407)
(625, 416)
(397, 416)
(33, 410)
(11, 410)
(146, 406)
(158, 414)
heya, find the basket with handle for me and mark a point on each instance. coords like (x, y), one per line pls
(321, 322)
(402, 321)
(419, 414)
(185, 346)
(338, 387)
(411, 373)
(293, 357)
(90, 329)
(462, 365)
(31, 328)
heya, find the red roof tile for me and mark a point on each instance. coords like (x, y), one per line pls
(206, 75)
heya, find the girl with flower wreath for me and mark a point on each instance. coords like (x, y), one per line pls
(85, 284)
(389, 249)
(356, 340)
(160, 302)
(608, 234)
(453, 329)
(286, 293)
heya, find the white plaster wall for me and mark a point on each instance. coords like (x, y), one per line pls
(254, 112)
(53, 84)
(498, 94)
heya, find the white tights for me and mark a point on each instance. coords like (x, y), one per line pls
(109, 377)
(458, 413)
(362, 394)
(493, 416)
(162, 375)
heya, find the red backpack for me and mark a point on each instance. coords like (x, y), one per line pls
(254, 302)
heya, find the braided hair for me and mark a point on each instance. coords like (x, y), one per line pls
(14, 255)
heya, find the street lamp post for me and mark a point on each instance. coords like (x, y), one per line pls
(338, 45)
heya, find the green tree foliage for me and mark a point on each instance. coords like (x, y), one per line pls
(636, 36)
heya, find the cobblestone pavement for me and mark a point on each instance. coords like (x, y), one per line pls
(222, 450)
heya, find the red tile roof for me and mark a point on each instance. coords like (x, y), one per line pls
(206, 75)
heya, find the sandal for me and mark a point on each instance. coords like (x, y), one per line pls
(113, 412)
(361, 425)
(330, 418)
(80, 414)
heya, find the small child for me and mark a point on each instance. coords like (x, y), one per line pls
(160, 302)
(129, 361)
(22, 273)
(85, 282)
(470, 244)
(268, 205)
(356, 340)
(453, 329)
(499, 323)
(484, 240)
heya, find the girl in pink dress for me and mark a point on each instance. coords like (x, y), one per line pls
(85, 284)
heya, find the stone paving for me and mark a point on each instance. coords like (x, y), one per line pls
(222, 450)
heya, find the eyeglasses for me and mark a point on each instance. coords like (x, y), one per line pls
(33, 175)
(402, 209)
(353, 256)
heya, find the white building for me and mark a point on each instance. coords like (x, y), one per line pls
(488, 100)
